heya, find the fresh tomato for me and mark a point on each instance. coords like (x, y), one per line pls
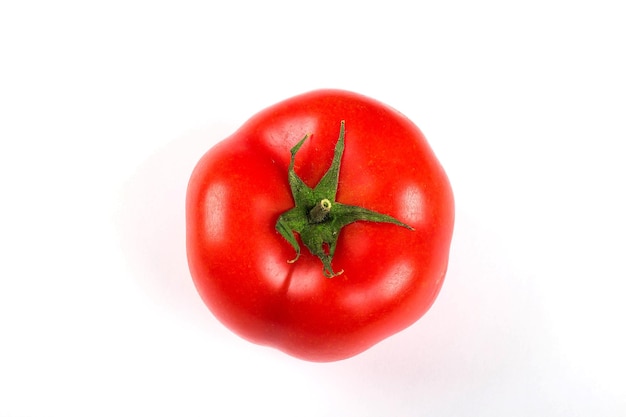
(321, 227)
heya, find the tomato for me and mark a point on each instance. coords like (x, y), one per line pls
(321, 227)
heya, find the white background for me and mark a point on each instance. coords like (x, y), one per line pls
(106, 106)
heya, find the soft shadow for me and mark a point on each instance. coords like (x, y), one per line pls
(151, 221)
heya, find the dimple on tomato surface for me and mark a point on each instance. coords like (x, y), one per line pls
(382, 278)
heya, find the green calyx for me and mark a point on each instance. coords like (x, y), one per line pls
(317, 217)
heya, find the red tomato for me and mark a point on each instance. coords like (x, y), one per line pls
(258, 196)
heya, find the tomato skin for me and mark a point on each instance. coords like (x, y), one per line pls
(391, 275)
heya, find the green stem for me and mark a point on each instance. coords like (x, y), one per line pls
(311, 217)
(319, 213)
